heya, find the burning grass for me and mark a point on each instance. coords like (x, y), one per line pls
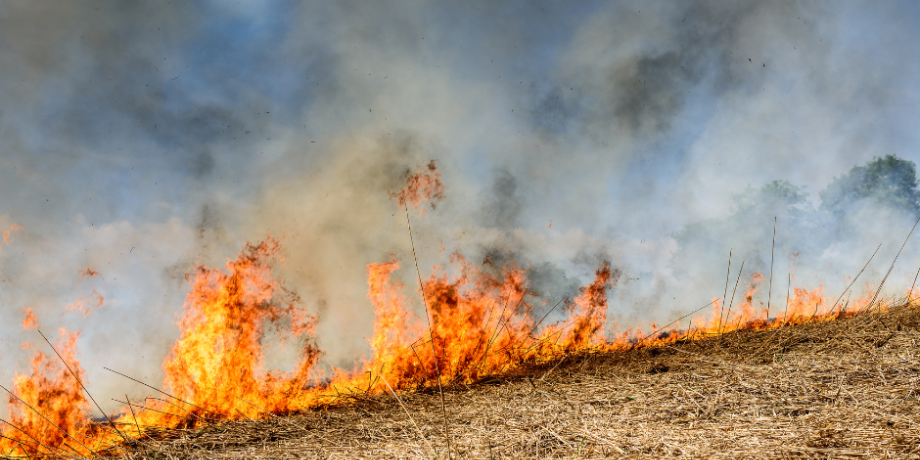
(482, 330)
(516, 386)
(843, 388)
(480, 325)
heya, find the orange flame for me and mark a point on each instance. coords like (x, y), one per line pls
(50, 391)
(87, 272)
(31, 321)
(8, 233)
(393, 328)
(87, 305)
(481, 324)
(221, 331)
(590, 311)
(420, 187)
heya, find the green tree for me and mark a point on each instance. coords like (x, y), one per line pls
(889, 181)
(777, 197)
(749, 230)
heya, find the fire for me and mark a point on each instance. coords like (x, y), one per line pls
(87, 272)
(393, 329)
(477, 321)
(49, 403)
(221, 328)
(745, 314)
(87, 305)
(420, 187)
(30, 321)
(482, 323)
(590, 312)
(8, 233)
(803, 305)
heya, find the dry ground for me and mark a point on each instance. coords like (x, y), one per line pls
(845, 389)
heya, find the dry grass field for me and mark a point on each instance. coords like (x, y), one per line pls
(842, 389)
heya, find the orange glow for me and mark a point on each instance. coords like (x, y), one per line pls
(482, 323)
(221, 329)
(87, 272)
(590, 312)
(421, 186)
(51, 391)
(8, 233)
(30, 321)
(87, 305)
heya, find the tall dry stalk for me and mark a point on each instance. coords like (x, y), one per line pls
(854, 280)
(728, 272)
(788, 286)
(877, 291)
(721, 328)
(772, 249)
(49, 420)
(911, 294)
(434, 352)
(74, 374)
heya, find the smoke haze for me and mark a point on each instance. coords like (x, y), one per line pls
(142, 139)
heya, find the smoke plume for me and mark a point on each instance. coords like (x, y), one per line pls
(143, 139)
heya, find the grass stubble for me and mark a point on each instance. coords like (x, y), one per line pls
(846, 388)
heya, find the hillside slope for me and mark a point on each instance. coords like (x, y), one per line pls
(843, 389)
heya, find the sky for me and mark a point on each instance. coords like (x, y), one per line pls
(142, 139)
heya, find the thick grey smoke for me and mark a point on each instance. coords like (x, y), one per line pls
(143, 138)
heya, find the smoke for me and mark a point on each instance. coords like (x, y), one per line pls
(143, 139)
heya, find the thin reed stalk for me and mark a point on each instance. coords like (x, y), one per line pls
(882, 284)
(728, 272)
(53, 451)
(152, 409)
(788, 286)
(430, 332)
(406, 410)
(157, 390)
(772, 249)
(689, 326)
(203, 419)
(261, 409)
(910, 295)
(134, 416)
(544, 316)
(48, 420)
(857, 277)
(733, 299)
(74, 374)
